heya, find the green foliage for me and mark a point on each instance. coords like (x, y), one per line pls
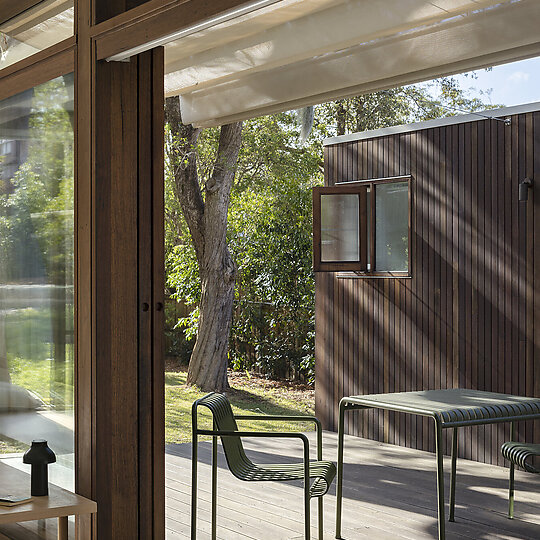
(183, 273)
(273, 325)
(36, 205)
(396, 106)
(270, 237)
(269, 225)
(176, 343)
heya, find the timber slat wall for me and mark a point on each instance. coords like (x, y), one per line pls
(470, 314)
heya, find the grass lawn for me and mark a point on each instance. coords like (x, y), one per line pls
(37, 376)
(9, 446)
(248, 395)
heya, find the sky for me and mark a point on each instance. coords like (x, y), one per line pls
(510, 84)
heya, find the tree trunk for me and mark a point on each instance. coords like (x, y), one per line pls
(208, 364)
(207, 222)
(341, 118)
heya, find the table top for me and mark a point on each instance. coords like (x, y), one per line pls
(59, 502)
(455, 406)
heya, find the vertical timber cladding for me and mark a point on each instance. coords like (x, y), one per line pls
(129, 444)
(469, 316)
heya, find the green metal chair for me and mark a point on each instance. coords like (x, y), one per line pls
(518, 454)
(317, 475)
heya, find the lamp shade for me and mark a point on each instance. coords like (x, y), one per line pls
(39, 453)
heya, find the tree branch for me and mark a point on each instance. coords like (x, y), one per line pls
(182, 153)
(218, 192)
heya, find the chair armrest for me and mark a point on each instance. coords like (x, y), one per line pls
(268, 434)
(265, 434)
(294, 418)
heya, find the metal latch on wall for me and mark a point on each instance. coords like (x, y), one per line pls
(524, 189)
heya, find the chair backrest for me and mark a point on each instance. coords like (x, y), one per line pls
(224, 420)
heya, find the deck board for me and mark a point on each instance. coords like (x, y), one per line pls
(389, 493)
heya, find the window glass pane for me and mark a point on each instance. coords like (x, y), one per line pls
(36, 274)
(392, 227)
(36, 29)
(340, 235)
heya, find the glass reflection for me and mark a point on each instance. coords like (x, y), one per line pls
(36, 274)
(392, 227)
(37, 28)
(340, 239)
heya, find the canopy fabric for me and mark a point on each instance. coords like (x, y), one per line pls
(293, 53)
(274, 55)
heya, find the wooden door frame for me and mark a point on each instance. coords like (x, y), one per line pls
(78, 54)
(119, 463)
(38, 69)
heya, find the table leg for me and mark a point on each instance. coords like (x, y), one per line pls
(63, 528)
(453, 475)
(511, 476)
(194, 459)
(440, 478)
(214, 485)
(339, 489)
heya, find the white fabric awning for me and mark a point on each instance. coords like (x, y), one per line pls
(291, 53)
(273, 55)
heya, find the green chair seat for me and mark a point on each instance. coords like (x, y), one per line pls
(519, 454)
(322, 472)
(316, 475)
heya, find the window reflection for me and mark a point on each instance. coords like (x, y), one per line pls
(34, 30)
(392, 227)
(340, 240)
(36, 274)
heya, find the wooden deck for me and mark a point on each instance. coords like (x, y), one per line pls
(389, 493)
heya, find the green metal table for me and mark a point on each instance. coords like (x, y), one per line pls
(452, 408)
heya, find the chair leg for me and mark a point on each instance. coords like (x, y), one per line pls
(214, 487)
(307, 517)
(339, 480)
(321, 528)
(440, 479)
(511, 493)
(453, 475)
(194, 487)
(511, 479)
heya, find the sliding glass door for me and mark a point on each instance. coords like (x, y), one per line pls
(37, 273)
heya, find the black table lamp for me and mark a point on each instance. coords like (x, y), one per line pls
(39, 455)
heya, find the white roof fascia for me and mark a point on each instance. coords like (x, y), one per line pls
(501, 113)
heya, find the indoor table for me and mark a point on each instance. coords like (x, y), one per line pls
(452, 408)
(60, 503)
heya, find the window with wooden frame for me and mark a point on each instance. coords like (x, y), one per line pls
(363, 227)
